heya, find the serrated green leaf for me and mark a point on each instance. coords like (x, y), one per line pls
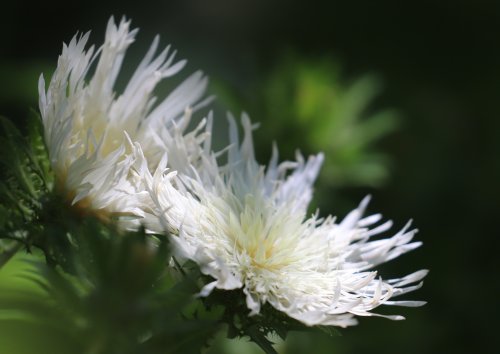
(260, 339)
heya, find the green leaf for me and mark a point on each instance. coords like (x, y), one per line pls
(260, 339)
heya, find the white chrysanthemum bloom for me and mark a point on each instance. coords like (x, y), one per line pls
(246, 225)
(93, 132)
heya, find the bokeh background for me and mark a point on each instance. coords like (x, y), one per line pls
(402, 95)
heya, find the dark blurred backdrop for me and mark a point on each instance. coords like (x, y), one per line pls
(440, 64)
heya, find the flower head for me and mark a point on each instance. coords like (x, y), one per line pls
(247, 226)
(94, 134)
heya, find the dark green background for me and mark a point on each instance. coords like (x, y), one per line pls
(440, 62)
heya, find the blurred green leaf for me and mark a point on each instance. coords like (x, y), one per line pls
(308, 104)
(122, 298)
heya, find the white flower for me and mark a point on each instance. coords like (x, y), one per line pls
(247, 227)
(94, 134)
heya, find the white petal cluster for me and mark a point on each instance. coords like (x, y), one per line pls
(95, 134)
(246, 225)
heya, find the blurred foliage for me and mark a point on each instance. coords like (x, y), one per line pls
(20, 94)
(307, 102)
(122, 299)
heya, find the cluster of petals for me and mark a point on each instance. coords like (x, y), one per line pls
(246, 225)
(94, 134)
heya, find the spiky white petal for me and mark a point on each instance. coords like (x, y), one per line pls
(91, 130)
(247, 227)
